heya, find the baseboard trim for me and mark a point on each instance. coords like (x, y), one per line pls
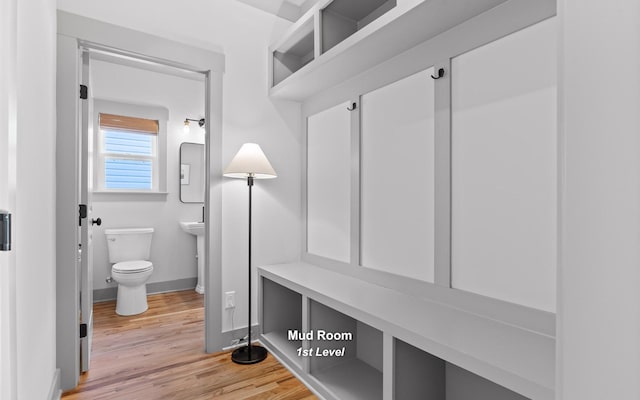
(229, 336)
(107, 294)
(55, 392)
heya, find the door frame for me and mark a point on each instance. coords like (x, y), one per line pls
(74, 33)
(8, 137)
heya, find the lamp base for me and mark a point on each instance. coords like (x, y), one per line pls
(242, 355)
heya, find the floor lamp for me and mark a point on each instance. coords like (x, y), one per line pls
(250, 163)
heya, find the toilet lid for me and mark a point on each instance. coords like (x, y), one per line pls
(132, 266)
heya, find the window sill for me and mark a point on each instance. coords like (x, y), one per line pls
(129, 196)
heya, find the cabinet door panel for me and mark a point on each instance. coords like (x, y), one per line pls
(397, 177)
(504, 168)
(328, 183)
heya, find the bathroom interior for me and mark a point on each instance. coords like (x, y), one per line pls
(178, 95)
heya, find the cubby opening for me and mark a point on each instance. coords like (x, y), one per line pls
(419, 374)
(343, 18)
(356, 374)
(281, 313)
(295, 53)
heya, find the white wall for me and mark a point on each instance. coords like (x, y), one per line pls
(243, 33)
(172, 250)
(599, 275)
(250, 116)
(34, 243)
(8, 134)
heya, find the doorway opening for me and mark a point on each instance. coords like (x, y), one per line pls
(133, 177)
(78, 39)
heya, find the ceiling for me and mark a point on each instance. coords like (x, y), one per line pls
(287, 9)
(298, 3)
(218, 25)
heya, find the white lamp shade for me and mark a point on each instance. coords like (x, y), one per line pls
(250, 161)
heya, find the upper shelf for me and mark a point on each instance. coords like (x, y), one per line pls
(295, 51)
(351, 36)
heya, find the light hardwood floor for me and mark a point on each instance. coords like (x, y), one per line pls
(160, 355)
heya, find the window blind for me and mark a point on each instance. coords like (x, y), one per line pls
(121, 122)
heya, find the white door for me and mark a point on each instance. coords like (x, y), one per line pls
(85, 245)
(8, 135)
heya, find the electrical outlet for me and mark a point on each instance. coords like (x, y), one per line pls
(230, 300)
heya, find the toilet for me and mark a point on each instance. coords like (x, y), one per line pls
(129, 250)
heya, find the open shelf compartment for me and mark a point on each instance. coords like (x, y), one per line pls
(342, 18)
(418, 374)
(356, 374)
(281, 313)
(295, 52)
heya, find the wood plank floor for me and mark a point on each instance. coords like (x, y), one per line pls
(160, 355)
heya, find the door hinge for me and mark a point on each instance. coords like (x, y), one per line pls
(82, 213)
(83, 331)
(84, 92)
(5, 231)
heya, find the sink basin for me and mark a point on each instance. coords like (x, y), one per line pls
(194, 228)
(197, 229)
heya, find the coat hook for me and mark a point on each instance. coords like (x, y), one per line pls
(440, 74)
(352, 107)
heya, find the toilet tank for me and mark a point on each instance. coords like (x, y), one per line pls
(128, 244)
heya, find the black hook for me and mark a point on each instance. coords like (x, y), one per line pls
(440, 74)
(352, 107)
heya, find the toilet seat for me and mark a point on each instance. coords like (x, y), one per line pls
(132, 267)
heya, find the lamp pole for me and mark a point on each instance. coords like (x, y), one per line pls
(250, 184)
(249, 354)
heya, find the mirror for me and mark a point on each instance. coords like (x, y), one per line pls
(192, 173)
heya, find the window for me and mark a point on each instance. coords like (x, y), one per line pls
(128, 160)
(129, 149)
(129, 152)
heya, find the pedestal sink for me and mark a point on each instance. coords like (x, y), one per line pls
(197, 229)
